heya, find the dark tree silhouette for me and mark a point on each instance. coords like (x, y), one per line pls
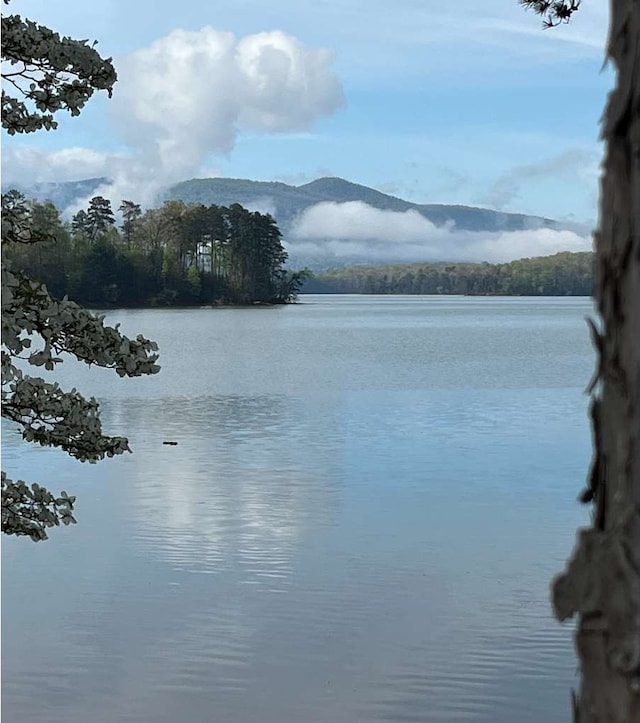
(131, 212)
(553, 12)
(100, 217)
(601, 584)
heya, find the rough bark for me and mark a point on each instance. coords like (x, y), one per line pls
(601, 584)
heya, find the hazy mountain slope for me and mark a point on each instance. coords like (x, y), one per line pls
(339, 234)
(227, 191)
(286, 202)
(61, 194)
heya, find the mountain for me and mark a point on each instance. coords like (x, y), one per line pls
(340, 235)
(285, 202)
(61, 194)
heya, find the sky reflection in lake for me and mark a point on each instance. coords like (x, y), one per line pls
(353, 525)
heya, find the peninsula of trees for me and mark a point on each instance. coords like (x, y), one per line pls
(179, 254)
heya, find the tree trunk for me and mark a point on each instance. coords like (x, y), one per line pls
(601, 583)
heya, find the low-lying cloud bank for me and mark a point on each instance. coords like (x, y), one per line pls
(357, 221)
(356, 232)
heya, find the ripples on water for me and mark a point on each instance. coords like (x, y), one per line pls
(368, 499)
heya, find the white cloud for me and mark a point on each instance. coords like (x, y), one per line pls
(263, 204)
(24, 166)
(512, 245)
(357, 221)
(359, 233)
(184, 99)
(188, 95)
(129, 176)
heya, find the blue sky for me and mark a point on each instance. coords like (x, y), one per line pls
(464, 102)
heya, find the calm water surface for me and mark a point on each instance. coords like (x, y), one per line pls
(368, 498)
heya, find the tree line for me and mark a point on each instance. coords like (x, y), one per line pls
(179, 254)
(563, 274)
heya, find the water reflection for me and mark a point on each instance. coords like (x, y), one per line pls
(361, 528)
(248, 476)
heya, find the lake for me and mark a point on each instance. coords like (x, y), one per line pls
(367, 501)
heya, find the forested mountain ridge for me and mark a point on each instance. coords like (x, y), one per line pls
(563, 274)
(285, 202)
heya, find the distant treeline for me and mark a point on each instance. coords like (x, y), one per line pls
(563, 274)
(180, 254)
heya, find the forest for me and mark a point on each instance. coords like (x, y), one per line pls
(563, 274)
(179, 254)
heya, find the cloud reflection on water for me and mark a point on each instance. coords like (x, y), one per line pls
(236, 490)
